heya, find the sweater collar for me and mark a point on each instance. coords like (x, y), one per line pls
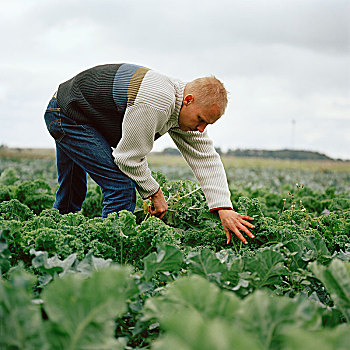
(179, 93)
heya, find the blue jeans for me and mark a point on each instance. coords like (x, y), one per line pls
(81, 149)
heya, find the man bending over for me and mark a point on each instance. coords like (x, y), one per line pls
(105, 120)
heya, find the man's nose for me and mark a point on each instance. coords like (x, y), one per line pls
(201, 127)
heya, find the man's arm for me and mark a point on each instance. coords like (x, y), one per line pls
(199, 152)
(140, 124)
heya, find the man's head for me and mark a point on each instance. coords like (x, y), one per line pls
(204, 102)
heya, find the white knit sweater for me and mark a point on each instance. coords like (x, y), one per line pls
(155, 110)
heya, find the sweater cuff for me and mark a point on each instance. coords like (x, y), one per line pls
(219, 208)
(153, 193)
(146, 188)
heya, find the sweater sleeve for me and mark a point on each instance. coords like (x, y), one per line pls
(139, 127)
(199, 152)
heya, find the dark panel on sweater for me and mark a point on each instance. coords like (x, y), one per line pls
(87, 98)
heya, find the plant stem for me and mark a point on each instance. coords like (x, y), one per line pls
(234, 245)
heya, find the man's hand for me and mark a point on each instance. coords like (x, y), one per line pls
(233, 222)
(159, 205)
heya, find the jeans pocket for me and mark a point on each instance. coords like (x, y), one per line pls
(53, 123)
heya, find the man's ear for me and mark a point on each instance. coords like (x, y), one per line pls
(189, 98)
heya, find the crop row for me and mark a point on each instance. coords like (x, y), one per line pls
(78, 281)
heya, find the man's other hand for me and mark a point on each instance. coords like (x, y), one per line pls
(159, 205)
(233, 222)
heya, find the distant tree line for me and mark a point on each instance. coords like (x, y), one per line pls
(280, 154)
(260, 153)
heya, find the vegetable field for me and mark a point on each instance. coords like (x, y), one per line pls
(132, 281)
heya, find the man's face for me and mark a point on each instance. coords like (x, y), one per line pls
(195, 117)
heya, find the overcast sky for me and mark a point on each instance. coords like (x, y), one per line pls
(286, 63)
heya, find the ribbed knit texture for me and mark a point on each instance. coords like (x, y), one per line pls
(87, 98)
(199, 152)
(132, 106)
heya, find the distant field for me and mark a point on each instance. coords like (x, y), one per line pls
(22, 153)
(165, 160)
(242, 162)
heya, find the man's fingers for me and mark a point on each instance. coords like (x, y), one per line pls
(236, 223)
(152, 211)
(157, 213)
(240, 236)
(248, 233)
(245, 230)
(228, 236)
(246, 223)
(246, 217)
(161, 215)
